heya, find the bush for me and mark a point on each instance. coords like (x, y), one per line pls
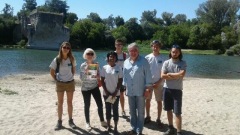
(22, 43)
(235, 49)
(229, 52)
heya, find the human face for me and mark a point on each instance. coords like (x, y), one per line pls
(118, 45)
(111, 60)
(66, 49)
(155, 48)
(133, 53)
(89, 55)
(175, 53)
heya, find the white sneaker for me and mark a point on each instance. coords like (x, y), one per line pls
(104, 124)
(88, 126)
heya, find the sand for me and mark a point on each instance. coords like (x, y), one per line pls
(28, 107)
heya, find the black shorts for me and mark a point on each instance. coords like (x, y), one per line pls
(122, 88)
(172, 100)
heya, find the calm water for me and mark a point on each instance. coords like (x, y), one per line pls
(37, 61)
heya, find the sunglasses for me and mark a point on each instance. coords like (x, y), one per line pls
(65, 47)
(90, 54)
(118, 44)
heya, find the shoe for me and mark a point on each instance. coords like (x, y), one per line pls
(179, 133)
(160, 124)
(123, 113)
(109, 129)
(139, 134)
(170, 131)
(147, 120)
(88, 127)
(104, 124)
(132, 132)
(59, 125)
(71, 124)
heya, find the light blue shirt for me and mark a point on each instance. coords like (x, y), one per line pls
(136, 76)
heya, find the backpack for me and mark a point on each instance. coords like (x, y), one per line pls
(58, 65)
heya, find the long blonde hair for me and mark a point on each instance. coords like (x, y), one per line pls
(70, 55)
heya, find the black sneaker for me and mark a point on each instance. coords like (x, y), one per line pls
(71, 124)
(170, 131)
(59, 125)
(147, 120)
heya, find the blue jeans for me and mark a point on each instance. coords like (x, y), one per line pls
(136, 107)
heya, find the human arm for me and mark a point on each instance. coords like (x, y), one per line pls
(148, 79)
(119, 84)
(52, 73)
(104, 86)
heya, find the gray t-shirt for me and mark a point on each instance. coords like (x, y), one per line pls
(169, 66)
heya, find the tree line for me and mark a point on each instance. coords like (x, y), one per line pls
(216, 27)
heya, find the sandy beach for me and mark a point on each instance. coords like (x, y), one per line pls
(28, 107)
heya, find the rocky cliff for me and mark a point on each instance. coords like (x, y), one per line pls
(45, 30)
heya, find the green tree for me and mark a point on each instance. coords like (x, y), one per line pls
(178, 34)
(94, 17)
(86, 33)
(167, 18)
(121, 32)
(7, 11)
(29, 5)
(180, 18)
(119, 21)
(136, 31)
(109, 22)
(149, 16)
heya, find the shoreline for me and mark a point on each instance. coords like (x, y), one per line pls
(210, 106)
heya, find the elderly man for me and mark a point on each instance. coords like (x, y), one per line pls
(138, 81)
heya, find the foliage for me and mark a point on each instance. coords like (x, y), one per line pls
(119, 21)
(234, 50)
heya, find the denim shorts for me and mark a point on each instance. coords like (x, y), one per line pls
(172, 100)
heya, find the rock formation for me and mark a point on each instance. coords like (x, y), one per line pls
(45, 30)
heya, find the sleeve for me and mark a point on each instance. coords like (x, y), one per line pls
(184, 66)
(74, 63)
(148, 74)
(53, 64)
(164, 67)
(82, 71)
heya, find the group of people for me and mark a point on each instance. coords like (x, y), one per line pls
(128, 74)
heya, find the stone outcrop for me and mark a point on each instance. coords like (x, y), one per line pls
(45, 30)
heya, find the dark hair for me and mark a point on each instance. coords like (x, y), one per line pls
(179, 48)
(119, 40)
(156, 42)
(113, 54)
(70, 55)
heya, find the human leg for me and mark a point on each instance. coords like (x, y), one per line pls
(87, 99)
(115, 113)
(140, 103)
(70, 109)
(98, 99)
(122, 100)
(60, 96)
(133, 112)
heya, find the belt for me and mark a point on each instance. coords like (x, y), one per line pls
(66, 82)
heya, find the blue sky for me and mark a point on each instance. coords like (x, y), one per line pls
(123, 8)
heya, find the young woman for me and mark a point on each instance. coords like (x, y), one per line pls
(62, 70)
(111, 78)
(90, 86)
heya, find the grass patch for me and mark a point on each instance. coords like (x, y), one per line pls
(7, 92)
(202, 52)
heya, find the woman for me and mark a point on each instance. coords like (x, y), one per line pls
(62, 70)
(90, 86)
(111, 78)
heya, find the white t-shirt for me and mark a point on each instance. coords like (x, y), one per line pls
(121, 59)
(65, 69)
(111, 75)
(156, 63)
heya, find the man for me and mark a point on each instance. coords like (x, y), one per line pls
(173, 70)
(122, 56)
(155, 60)
(138, 81)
